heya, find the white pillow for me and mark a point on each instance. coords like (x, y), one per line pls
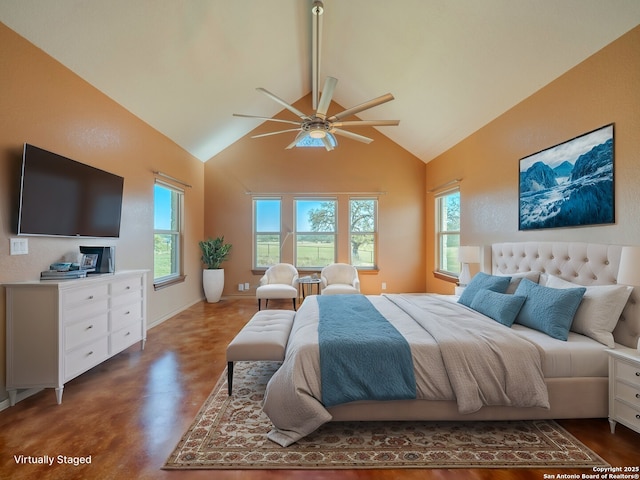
(516, 277)
(599, 310)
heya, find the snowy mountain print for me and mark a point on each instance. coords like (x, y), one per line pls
(570, 184)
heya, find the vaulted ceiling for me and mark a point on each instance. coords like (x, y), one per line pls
(184, 67)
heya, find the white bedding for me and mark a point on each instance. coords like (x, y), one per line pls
(579, 356)
(292, 399)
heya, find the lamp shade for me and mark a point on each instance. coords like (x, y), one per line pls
(469, 254)
(629, 271)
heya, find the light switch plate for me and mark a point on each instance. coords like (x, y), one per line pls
(18, 246)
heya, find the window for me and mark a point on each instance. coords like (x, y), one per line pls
(362, 231)
(309, 141)
(167, 233)
(448, 232)
(315, 232)
(267, 237)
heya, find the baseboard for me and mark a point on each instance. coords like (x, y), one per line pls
(20, 395)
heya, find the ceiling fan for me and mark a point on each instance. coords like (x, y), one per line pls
(318, 125)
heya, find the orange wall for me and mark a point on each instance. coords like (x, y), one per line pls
(264, 166)
(603, 89)
(45, 104)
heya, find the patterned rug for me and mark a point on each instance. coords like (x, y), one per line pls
(230, 433)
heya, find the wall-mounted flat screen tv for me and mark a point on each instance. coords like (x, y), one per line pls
(62, 197)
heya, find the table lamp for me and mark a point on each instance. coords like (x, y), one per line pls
(467, 255)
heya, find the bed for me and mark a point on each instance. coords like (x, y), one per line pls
(539, 375)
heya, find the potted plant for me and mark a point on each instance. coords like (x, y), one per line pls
(214, 252)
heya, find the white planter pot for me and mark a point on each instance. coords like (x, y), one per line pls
(213, 283)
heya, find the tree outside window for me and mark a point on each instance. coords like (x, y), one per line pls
(315, 233)
(362, 232)
(448, 232)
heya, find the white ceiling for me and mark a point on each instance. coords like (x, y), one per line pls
(453, 65)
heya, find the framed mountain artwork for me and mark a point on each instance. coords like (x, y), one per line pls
(570, 184)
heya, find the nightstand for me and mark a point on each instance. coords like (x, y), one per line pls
(624, 388)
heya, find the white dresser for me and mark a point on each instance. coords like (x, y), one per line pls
(624, 388)
(57, 330)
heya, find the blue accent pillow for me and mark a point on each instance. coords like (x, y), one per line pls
(502, 307)
(549, 310)
(482, 281)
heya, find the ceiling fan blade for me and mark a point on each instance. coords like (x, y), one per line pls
(367, 123)
(299, 137)
(327, 143)
(351, 135)
(325, 98)
(275, 133)
(291, 108)
(266, 118)
(363, 106)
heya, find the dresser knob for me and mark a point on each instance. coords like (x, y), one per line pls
(638, 417)
(91, 298)
(90, 353)
(89, 327)
(127, 334)
(637, 374)
(637, 395)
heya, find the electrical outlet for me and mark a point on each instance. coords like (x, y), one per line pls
(384, 285)
(19, 246)
(246, 286)
(241, 287)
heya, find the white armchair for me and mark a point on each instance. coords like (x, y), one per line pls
(279, 281)
(339, 278)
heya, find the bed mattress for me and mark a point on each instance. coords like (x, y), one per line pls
(579, 356)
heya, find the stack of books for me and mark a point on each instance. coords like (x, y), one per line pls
(62, 275)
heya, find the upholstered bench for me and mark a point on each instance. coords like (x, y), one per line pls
(264, 337)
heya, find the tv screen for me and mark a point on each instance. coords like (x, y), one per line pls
(62, 197)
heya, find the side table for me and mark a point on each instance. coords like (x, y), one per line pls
(309, 282)
(624, 388)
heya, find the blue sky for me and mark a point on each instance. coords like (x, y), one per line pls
(162, 210)
(268, 215)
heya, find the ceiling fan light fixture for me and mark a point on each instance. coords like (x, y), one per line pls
(318, 129)
(317, 133)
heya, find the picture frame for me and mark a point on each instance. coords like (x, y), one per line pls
(89, 261)
(570, 184)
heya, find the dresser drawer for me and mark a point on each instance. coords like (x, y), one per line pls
(627, 372)
(83, 358)
(85, 331)
(126, 337)
(85, 295)
(126, 299)
(628, 393)
(87, 310)
(122, 316)
(627, 415)
(127, 285)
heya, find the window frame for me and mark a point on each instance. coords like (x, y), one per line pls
(177, 253)
(373, 233)
(297, 233)
(441, 232)
(255, 265)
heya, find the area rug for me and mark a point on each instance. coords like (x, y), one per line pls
(231, 433)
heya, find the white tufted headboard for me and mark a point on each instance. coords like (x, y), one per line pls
(576, 262)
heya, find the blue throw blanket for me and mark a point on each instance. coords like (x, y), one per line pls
(362, 356)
